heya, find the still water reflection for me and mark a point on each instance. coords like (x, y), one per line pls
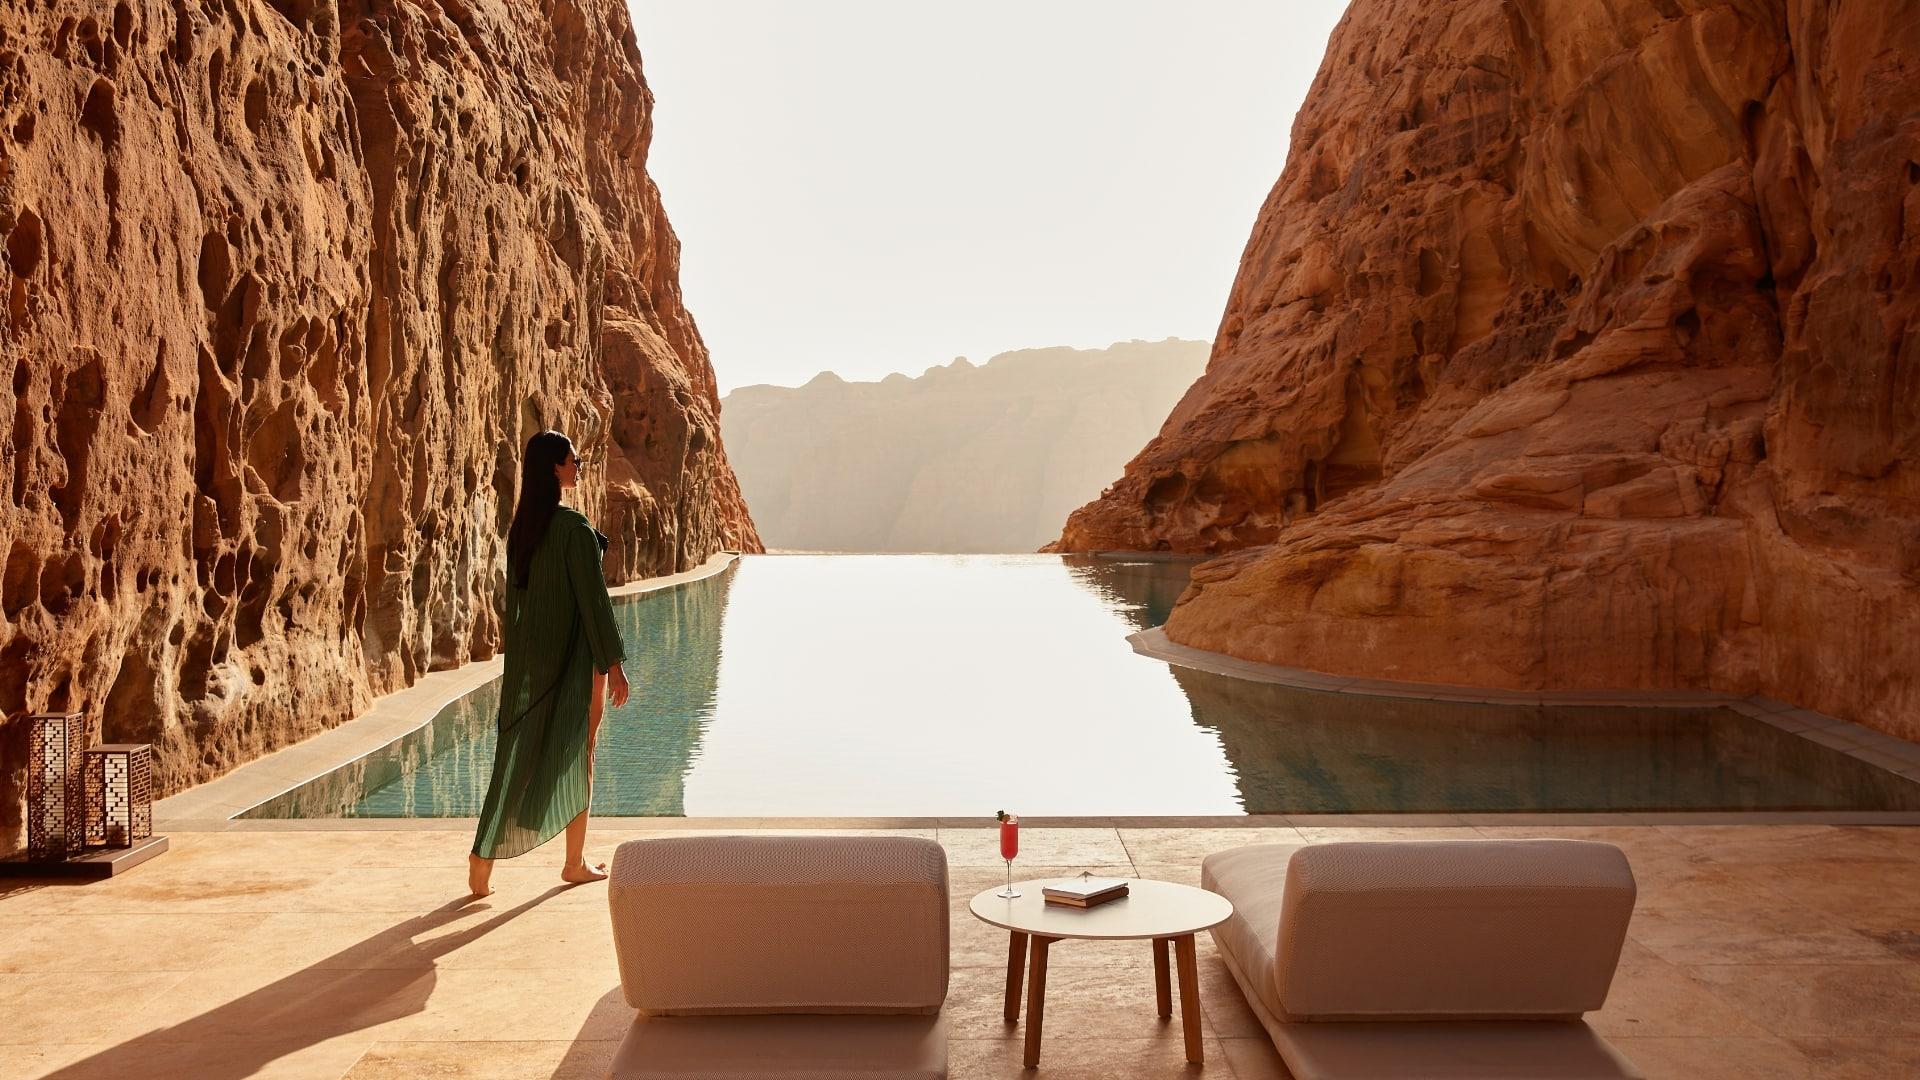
(935, 685)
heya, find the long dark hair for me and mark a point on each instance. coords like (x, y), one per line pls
(539, 497)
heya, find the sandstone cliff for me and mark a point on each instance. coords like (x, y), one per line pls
(1578, 345)
(961, 459)
(287, 286)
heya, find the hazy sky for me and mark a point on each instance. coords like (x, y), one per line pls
(870, 186)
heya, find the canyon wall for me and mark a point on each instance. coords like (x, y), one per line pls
(965, 458)
(287, 287)
(1577, 346)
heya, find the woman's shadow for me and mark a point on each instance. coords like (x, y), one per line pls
(374, 981)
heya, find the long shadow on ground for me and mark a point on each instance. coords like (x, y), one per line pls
(346, 992)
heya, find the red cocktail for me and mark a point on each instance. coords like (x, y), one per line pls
(1009, 847)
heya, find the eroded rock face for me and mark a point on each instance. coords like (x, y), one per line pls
(1576, 347)
(287, 287)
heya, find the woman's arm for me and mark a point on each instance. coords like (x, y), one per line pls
(596, 607)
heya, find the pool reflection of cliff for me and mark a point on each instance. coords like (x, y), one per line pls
(1142, 591)
(1303, 751)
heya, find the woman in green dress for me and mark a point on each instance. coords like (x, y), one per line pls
(563, 661)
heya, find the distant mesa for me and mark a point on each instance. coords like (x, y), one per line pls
(965, 458)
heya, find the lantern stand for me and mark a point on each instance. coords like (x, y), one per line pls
(89, 808)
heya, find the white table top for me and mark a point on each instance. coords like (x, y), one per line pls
(1151, 909)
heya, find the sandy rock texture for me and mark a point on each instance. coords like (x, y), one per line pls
(1577, 346)
(965, 458)
(287, 285)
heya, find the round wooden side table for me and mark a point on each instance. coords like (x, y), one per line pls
(1160, 911)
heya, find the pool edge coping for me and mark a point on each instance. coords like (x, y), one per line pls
(1870, 746)
(389, 718)
(1569, 820)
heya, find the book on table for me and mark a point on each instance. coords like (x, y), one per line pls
(1084, 892)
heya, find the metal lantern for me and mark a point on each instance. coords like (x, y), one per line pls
(55, 796)
(119, 786)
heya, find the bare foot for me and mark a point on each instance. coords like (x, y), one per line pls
(478, 871)
(582, 872)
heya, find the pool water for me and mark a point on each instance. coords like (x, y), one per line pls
(904, 685)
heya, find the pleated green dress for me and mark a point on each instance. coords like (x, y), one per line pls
(559, 631)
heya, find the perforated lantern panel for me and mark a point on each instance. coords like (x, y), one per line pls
(55, 789)
(119, 785)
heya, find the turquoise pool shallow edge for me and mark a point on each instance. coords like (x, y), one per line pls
(390, 719)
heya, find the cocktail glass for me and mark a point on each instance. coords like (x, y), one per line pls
(1009, 847)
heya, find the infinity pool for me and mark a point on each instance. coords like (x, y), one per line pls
(903, 685)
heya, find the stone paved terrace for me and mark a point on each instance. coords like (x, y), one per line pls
(1756, 951)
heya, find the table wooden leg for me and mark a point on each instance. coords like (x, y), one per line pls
(1016, 964)
(1162, 984)
(1189, 995)
(1036, 997)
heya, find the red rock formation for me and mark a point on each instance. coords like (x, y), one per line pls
(287, 287)
(1578, 345)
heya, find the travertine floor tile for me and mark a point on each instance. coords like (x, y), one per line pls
(1812, 1001)
(1086, 1059)
(309, 953)
(290, 1057)
(407, 890)
(88, 1007)
(584, 1060)
(156, 889)
(1637, 841)
(1693, 881)
(1767, 935)
(1862, 1059)
(1876, 893)
(482, 934)
(1226, 1008)
(976, 944)
(965, 882)
(1322, 834)
(1077, 848)
(31, 1061)
(67, 941)
(1082, 1003)
(30, 897)
(1716, 1058)
(387, 1004)
(1651, 997)
(1179, 873)
(1254, 1059)
(321, 850)
(1173, 846)
(1797, 844)
(1378, 821)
